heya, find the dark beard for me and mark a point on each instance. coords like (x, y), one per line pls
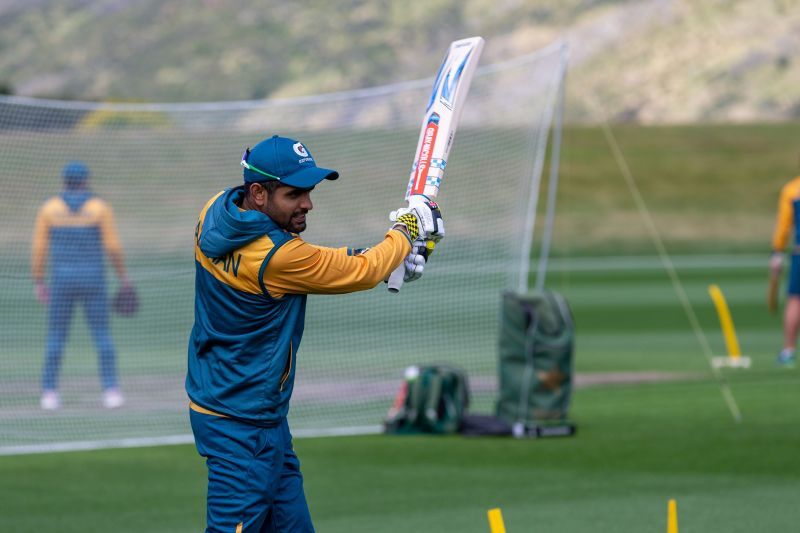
(296, 229)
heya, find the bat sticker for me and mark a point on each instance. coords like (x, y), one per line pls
(424, 159)
(448, 85)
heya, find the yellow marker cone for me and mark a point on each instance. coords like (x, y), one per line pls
(734, 358)
(725, 320)
(496, 524)
(672, 517)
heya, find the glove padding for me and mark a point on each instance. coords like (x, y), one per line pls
(126, 301)
(414, 263)
(422, 218)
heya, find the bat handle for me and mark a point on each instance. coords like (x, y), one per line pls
(396, 279)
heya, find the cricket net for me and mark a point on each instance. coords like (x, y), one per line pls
(157, 165)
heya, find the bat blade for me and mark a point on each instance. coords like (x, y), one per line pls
(442, 115)
(772, 294)
(439, 125)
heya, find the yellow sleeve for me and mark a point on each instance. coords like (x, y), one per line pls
(108, 230)
(41, 242)
(301, 268)
(785, 218)
(111, 243)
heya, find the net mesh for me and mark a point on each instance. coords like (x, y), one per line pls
(157, 165)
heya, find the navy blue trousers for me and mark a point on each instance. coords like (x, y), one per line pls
(64, 295)
(254, 479)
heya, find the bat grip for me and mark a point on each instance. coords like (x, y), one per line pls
(396, 279)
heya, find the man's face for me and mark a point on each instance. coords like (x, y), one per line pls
(287, 207)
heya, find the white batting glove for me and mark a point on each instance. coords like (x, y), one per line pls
(422, 218)
(414, 263)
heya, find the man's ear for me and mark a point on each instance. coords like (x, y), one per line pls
(258, 194)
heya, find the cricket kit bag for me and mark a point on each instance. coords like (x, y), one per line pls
(537, 340)
(432, 399)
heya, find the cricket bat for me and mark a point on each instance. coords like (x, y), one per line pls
(772, 293)
(439, 125)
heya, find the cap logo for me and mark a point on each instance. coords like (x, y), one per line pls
(300, 150)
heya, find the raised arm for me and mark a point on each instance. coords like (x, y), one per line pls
(302, 268)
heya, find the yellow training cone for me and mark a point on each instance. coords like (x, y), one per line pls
(496, 521)
(731, 342)
(672, 517)
(734, 358)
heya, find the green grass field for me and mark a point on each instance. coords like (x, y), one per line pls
(638, 444)
(637, 447)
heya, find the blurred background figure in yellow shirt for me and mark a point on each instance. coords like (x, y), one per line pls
(788, 218)
(74, 233)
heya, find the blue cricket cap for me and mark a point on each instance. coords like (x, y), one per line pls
(75, 172)
(284, 160)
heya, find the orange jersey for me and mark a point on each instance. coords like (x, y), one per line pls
(302, 268)
(787, 215)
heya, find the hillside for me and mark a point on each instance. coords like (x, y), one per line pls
(650, 61)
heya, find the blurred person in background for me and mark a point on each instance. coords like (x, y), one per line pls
(788, 218)
(74, 232)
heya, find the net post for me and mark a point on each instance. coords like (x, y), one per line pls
(552, 183)
(536, 180)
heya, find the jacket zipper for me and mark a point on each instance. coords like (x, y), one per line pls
(288, 369)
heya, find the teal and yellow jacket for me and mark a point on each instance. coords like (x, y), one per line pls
(75, 231)
(251, 282)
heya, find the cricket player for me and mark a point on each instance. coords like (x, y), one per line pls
(75, 231)
(253, 273)
(788, 218)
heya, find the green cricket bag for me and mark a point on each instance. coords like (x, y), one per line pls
(432, 399)
(537, 339)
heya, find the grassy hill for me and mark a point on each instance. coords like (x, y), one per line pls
(709, 188)
(649, 61)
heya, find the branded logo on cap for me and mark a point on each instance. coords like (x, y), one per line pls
(300, 150)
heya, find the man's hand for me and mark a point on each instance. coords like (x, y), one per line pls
(41, 292)
(776, 263)
(414, 263)
(775, 266)
(421, 219)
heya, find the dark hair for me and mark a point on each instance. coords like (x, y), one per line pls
(269, 186)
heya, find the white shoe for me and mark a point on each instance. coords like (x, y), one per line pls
(112, 398)
(50, 400)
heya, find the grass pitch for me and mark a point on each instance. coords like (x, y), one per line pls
(638, 445)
